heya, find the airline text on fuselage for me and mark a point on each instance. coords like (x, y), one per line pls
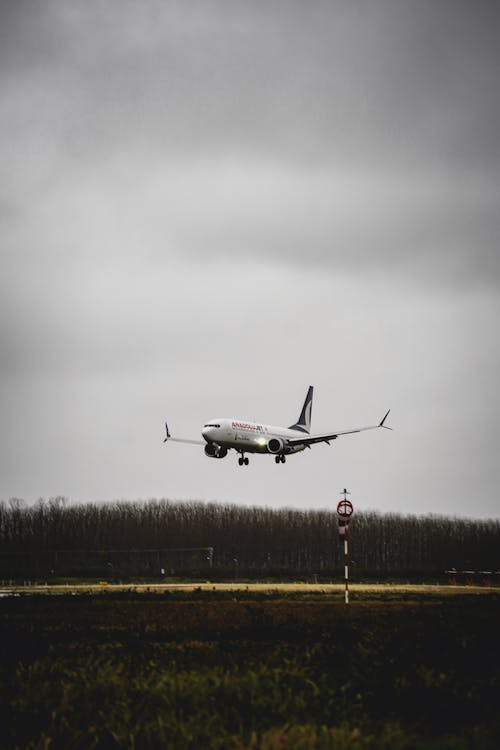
(244, 426)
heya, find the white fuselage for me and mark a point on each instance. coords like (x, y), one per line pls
(249, 437)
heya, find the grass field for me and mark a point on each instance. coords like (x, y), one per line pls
(358, 590)
(251, 667)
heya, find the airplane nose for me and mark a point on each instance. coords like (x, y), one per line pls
(209, 432)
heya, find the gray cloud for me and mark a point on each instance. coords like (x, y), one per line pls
(344, 134)
(335, 80)
(205, 206)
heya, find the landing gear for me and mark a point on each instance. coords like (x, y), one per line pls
(243, 460)
(280, 459)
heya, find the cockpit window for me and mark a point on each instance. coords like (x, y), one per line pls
(212, 425)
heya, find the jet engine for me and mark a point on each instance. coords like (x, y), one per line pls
(276, 445)
(215, 451)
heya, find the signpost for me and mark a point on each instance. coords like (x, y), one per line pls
(344, 512)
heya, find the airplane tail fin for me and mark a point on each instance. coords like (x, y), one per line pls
(303, 424)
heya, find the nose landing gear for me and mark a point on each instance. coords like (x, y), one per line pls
(280, 459)
(243, 460)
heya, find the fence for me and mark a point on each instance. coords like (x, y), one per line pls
(109, 563)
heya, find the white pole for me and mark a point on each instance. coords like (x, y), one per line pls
(344, 511)
(346, 568)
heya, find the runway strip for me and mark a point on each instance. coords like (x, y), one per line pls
(317, 588)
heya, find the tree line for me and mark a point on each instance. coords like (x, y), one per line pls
(171, 536)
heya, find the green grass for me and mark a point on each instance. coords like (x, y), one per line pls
(250, 671)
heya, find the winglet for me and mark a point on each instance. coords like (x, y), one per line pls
(382, 422)
(167, 433)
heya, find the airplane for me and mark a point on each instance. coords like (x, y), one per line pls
(223, 435)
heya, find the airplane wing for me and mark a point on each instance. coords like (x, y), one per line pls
(169, 437)
(311, 439)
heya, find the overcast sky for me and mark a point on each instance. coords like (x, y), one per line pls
(207, 206)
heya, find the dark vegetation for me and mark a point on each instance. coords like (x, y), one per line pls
(124, 539)
(207, 670)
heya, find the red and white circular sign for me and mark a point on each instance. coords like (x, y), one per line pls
(345, 509)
